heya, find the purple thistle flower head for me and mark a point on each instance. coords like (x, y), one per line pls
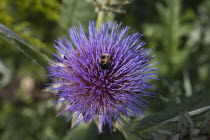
(103, 75)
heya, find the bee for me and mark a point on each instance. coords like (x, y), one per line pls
(105, 61)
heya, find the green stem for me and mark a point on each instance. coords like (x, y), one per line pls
(30, 51)
(99, 19)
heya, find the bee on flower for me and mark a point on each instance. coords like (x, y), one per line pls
(104, 74)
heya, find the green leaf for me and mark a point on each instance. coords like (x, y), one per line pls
(163, 118)
(151, 123)
(23, 46)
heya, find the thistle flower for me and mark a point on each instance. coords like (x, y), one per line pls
(97, 88)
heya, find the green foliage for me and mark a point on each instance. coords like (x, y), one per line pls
(75, 11)
(167, 36)
(154, 120)
(35, 17)
(23, 46)
(178, 31)
(26, 121)
(186, 128)
(29, 19)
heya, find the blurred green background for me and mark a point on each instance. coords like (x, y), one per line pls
(178, 31)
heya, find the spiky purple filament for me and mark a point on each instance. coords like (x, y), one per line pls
(102, 95)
